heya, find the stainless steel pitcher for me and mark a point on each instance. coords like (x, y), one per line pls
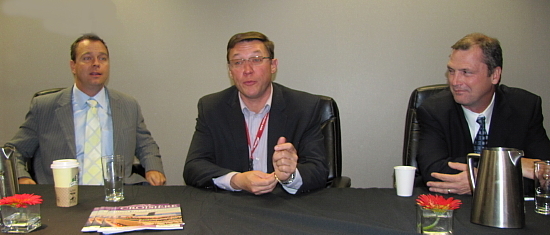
(498, 188)
(8, 176)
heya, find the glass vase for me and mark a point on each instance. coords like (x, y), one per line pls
(434, 221)
(20, 220)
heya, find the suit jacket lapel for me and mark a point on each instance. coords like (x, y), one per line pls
(117, 116)
(64, 114)
(236, 124)
(277, 123)
(459, 121)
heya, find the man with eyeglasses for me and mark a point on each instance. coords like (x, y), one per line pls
(256, 134)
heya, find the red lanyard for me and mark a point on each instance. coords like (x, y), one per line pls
(257, 139)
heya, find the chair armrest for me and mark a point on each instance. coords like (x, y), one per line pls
(339, 182)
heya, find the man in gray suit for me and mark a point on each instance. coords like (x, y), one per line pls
(55, 125)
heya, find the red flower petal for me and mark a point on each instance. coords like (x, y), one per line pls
(21, 200)
(438, 202)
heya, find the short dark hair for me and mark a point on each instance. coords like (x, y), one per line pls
(492, 53)
(251, 36)
(88, 36)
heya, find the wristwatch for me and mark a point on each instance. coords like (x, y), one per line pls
(287, 181)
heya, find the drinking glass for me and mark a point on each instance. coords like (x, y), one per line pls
(113, 177)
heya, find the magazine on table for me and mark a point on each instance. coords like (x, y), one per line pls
(110, 220)
(96, 219)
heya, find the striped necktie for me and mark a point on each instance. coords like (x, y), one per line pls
(92, 171)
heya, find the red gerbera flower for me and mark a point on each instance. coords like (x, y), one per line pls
(438, 202)
(21, 200)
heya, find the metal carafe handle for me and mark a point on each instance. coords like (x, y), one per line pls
(471, 169)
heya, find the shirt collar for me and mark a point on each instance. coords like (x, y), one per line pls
(488, 112)
(80, 98)
(471, 117)
(267, 104)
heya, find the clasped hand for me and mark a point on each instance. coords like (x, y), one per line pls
(285, 160)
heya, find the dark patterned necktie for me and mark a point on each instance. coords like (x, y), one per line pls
(480, 141)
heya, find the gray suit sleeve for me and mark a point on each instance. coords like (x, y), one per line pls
(25, 141)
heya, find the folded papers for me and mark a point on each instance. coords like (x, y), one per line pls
(118, 219)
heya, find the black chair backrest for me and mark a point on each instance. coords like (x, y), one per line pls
(412, 129)
(330, 127)
(47, 91)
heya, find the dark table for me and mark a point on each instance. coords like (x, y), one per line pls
(326, 211)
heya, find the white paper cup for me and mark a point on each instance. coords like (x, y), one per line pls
(65, 176)
(404, 180)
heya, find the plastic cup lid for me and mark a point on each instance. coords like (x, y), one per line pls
(64, 163)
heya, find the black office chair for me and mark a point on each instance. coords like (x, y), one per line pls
(47, 91)
(137, 168)
(330, 127)
(412, 129)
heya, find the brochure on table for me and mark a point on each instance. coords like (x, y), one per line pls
(110, 220)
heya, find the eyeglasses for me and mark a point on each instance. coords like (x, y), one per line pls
(256, 60)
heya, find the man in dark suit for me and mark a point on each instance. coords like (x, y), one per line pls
(55, 124)
(280, 125)
(448, 119)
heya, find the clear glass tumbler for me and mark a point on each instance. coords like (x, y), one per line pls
(113, 177)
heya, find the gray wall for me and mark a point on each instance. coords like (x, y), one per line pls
(368, 55)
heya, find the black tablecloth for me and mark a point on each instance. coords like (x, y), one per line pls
(326, 211)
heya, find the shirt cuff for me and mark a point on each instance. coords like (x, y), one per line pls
(224, 181)
(293, 187)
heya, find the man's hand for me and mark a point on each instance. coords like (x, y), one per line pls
(256, 182)
(457, 183)
(528, 167)
(155, 178)
(25, 180)
(285, 159)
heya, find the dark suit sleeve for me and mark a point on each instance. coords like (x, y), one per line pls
(434, 148)
(537, 144)
(312, 154)
(200, 166)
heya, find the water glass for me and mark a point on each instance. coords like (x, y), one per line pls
(542, 187)
(113, 177)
